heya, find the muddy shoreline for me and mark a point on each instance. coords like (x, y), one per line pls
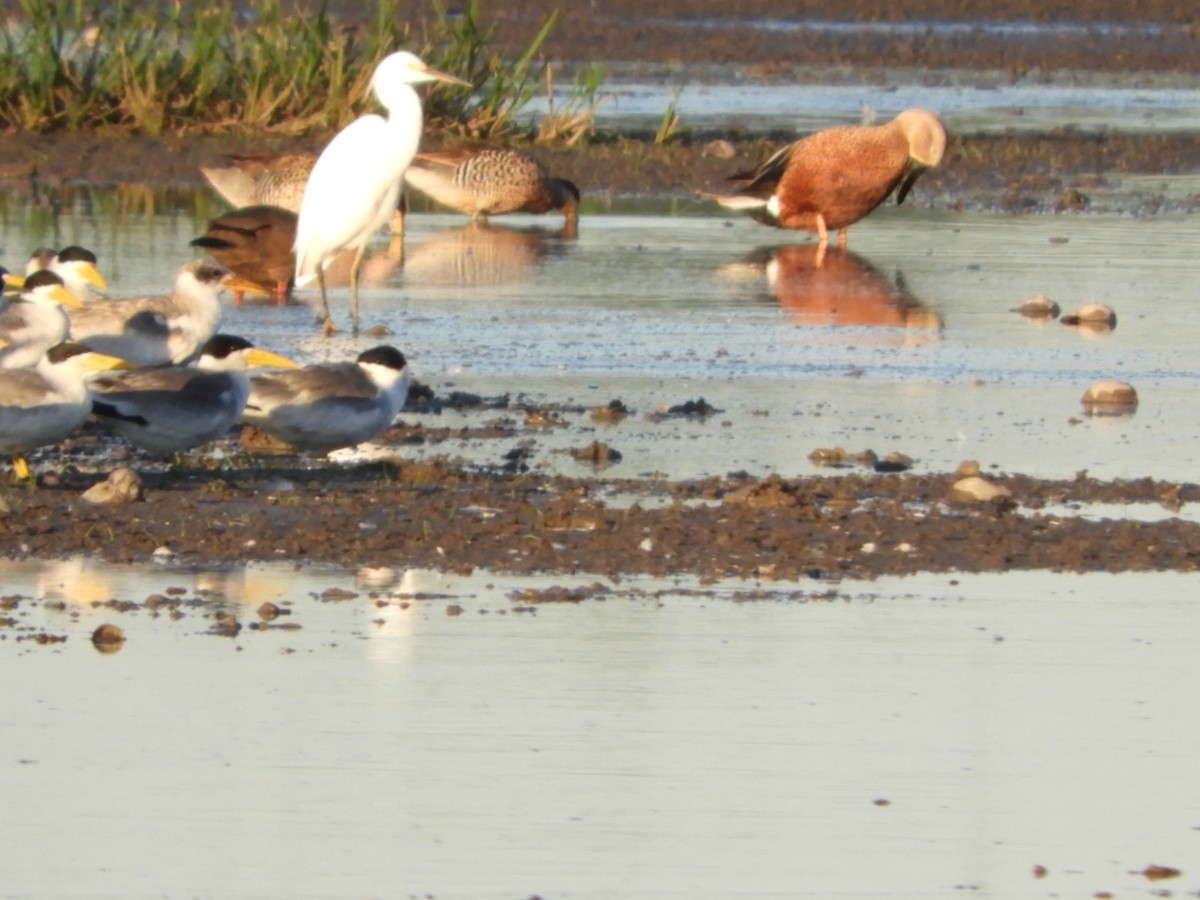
(442, 514)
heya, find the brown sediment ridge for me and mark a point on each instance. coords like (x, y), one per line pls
(1056, 171)
(444, 514)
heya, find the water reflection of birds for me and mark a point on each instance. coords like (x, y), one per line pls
(356, 182)
(836, 288)
(255, 244)
(486, 181)
(829, 180)
(480, 255)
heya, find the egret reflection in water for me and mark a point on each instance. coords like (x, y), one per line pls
(482, 255)
(836, 287)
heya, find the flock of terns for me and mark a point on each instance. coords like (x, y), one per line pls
(158, 371)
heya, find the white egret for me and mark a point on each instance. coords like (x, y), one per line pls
(323, 407)
(169, 409)
(356, 182)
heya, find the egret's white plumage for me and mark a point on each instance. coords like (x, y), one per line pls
(35, 321)
(323, 407)
(356, 181)
(75, 265)
(175, 408)
(157, 330)
(44, 404)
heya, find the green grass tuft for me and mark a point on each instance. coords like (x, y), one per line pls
(71, 64)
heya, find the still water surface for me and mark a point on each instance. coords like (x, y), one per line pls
(920, 737)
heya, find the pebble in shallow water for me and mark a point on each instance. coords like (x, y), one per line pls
(1110, 397)
(1039, 307)
(1094, 317)
(974, 489)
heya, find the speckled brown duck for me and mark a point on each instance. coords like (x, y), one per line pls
(271, 179)
(274, 179)
(831, 179)
(488, 181)
(255, 244)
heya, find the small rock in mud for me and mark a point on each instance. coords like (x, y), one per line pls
(1159, 873)
(839, 457)
(258, 441)
(697, 408)
(337, 594)
(597, 453)
(108, 638)
(614, 412)
(1110, 397)
(974, 489)
(719, 149)
(1039, 307)
(1095, 316)
(535, 418)
(967, 468)
(771, 492)
(226, 626)
(269, 611)
(122, 486)
(1072, 200)
(894, 462)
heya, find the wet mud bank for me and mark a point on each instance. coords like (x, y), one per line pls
(441, 514)
(1055, 171)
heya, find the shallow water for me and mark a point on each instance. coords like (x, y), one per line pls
(907, 344)
(968, 102)
(431, 735)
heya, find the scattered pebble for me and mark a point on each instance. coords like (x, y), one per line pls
(1110, 397)
(1095, 316)
(894, 462)
(597, 453)
(122, 486)
(974, 489)
(108, 638)
(719, 149)
(614, 412)
(1039, 307)
(839, 457)
(1159, 873)
(269, 611)
(967, 468)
